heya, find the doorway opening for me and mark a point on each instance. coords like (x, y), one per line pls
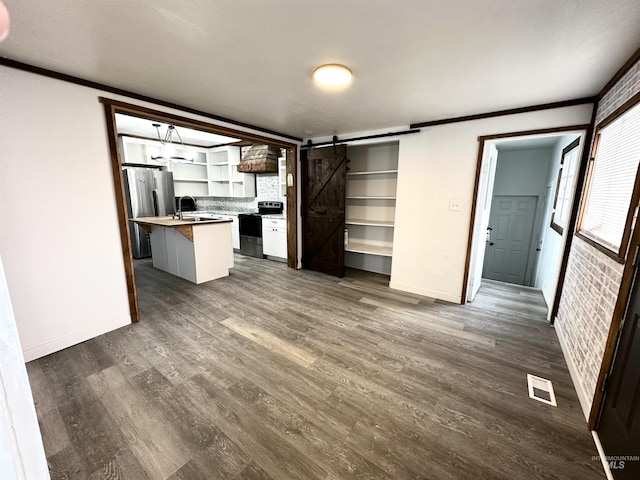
(198, 176)
(526, 185)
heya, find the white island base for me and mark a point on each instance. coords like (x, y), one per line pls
(196, 251)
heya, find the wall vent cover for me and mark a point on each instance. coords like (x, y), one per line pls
(541, 389)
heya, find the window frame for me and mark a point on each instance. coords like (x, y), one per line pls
(573, 145)
(620, 255)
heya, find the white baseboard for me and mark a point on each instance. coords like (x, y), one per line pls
(424, 292)
(585, 400)
(73, 338)
(603, 458)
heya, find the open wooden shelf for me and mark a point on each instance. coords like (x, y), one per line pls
(369, 198)
(373, 223)
(356, 247)
(375, 172)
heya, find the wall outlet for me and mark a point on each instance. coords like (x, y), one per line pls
(455, 206)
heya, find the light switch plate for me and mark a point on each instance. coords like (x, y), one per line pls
(454, 205)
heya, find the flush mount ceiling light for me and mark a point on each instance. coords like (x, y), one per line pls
(167, 146)
(332, 75)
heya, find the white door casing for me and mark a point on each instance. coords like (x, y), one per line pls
(481, 222)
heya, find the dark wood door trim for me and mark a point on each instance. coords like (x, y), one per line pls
(581, 180)
(501, 113)
(292, 207)
(112, 107)
(186, 122)
(624, 294)
(620, 73)
(121, 208)
(476, 185)
(474, 203)
(26, 67)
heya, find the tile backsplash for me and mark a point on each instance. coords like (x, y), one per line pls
(267, 188)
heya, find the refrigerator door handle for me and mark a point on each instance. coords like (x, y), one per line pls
(155, 201)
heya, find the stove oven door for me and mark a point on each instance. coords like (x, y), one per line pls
(250, 227)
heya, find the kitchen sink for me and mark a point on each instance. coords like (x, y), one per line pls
(202, 219)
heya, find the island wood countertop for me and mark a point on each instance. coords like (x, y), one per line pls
(185, 227)
(169, 221)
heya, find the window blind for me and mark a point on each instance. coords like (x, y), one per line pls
(612, 181)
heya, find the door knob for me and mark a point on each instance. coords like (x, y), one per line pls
(491, 244)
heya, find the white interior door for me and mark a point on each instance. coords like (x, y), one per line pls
(507, 254)
(481, 222)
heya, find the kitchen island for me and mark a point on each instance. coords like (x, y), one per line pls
(196, 249)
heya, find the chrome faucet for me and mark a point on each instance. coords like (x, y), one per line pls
(180, 215)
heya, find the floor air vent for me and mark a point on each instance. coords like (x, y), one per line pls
(541, 389)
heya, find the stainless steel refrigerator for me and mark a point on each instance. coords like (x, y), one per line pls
(149, 194)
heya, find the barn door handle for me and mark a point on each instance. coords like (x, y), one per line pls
(491, 244)
(321, 211)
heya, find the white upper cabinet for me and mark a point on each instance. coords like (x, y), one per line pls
(224, 178)
(213, 172)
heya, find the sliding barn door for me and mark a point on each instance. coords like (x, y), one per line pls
(323, 204)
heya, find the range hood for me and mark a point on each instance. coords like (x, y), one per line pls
(260, 159)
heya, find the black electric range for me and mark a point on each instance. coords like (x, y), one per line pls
(250, 225)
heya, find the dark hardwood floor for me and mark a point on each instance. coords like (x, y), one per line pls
(279, 374)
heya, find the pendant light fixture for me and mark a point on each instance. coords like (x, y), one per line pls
(167, 146)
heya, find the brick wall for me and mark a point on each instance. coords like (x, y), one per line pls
(622, 91)
(586, 308)
(592, 280)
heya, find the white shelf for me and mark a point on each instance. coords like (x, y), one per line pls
(191, 180)
(376, 172)
(368, 249)
(373, 223)
(370, 198)
(219, 163)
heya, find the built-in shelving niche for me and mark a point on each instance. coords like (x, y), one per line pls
(371, 206)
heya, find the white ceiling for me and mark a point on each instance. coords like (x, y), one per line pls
(413, 60)
(130, 125)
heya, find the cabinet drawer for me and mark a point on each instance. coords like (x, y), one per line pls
(275, 223)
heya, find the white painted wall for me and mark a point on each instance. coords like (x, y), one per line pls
(435, 166)
(548, 267)
(22, 455)
(59, 232)
(522, 172)
(438, 165)
(59, 237)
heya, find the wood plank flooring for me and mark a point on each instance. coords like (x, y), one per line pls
(279, 374)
